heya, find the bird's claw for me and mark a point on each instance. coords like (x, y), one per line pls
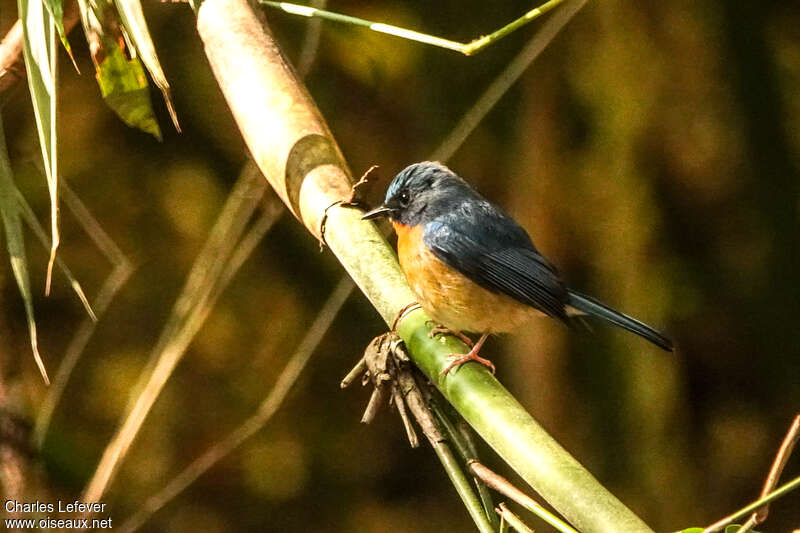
(441, 330)
(457, 359)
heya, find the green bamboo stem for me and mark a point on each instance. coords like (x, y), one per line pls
(463, 487)
(464, 433)
(469, 48)
(467, 453)
(291, 144)
(515, 436)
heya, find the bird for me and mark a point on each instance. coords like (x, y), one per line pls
(473, 268)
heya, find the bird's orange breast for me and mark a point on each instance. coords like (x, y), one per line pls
(448, 296)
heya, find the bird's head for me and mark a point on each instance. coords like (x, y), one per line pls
(419, 193)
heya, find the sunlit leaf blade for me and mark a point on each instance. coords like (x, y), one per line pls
(15, 243)
(83, 9)
(133, 21)
(56, 9)
(33, 223)
(39, 47)
(124, 87)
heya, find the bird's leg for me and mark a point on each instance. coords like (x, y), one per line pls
(441, 330)
(457, 359)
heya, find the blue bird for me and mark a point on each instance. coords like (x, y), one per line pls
(473, 268)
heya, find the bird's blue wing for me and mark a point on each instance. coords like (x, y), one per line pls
(496, 253)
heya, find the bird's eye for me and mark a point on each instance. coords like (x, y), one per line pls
(404, 198)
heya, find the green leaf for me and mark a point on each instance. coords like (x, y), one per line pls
(39, 48)
(133, 21)
(33, 223)
(123, 85)
(56, 9)
(15, 243)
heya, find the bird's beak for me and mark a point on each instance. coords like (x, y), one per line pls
(381, 211)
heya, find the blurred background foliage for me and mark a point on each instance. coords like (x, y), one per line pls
(651, 151)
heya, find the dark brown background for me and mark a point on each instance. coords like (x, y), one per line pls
(652, 152)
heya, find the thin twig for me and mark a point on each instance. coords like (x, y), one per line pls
(505, 80)
(112, 284)
(91, 226)
(750, 524)
(512, 520)
(467, 451)
(772, 496)
(784, 452)
(357, 372)
(504, 487)
(432, 431)
(465, 433)
(77, 344)
(199, 294)
(33, 222)
(400, 403)
(469, 48)
(462, 485)
(270, 213)
(388, 368)
(274, 399)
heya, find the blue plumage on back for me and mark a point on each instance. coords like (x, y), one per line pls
(470, 235)
(473, 236)
(507, 264)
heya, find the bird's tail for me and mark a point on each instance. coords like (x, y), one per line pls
(590, 306)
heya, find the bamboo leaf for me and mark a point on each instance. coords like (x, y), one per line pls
(56, 9)
(123, 85)
(15, 243)
(133, 21)
(122, 81)
(33, 223)
(39, 48)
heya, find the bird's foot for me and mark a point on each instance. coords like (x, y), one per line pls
(457, 359)
(441, 330)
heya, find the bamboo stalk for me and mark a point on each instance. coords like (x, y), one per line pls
(295, 151)
(467, 49)
(463, 486)
(460, 441)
